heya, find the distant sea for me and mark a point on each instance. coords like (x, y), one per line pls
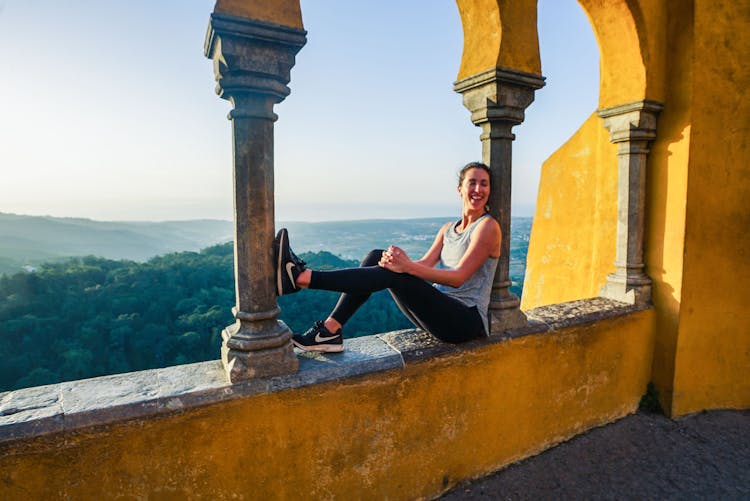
(27, 241)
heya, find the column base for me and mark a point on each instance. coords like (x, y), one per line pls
(619, 289)
(248, 353)
(502, 320)
(506, 314)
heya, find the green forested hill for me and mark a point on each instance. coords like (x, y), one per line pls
(90, 316)
(31, 240)
(82, 317)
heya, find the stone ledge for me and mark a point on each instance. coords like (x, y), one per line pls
(73, 405)
(415, 344)
(583, 311)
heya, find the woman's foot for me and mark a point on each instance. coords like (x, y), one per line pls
(288, 265)
(318, 338)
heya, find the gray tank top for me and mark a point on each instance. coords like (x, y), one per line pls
(475, 291)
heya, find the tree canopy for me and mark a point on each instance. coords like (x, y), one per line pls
(91, 316)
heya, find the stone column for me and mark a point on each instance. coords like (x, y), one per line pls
(252, 62)
(497, 100)
(631, 127)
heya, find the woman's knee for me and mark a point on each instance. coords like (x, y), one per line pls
(372, 258)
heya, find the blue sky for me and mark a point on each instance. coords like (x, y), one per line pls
(108, 111)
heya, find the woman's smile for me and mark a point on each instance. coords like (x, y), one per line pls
(477, 197)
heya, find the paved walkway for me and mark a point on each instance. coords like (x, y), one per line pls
(643, 456)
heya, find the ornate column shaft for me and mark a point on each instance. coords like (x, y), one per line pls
(497, 100)
(252, 62)
(631, 127)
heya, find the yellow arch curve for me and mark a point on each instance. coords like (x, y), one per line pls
(620, 34)
(499, 33)
(283, 12)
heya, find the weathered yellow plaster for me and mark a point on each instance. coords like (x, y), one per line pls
(622, 72)
(572, 244)
(499, 33)
(283, 12)
(404, 434)
(713, 346)
(666, 192)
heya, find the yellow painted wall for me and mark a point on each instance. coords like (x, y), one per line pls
(666, 191)
(712, 366)
(403, 434)
(499, 33)
(690, 56)
(653, 17)
(572, 244)
(283, 12)
(622, 71)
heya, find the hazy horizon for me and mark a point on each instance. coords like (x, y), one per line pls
(379, 213)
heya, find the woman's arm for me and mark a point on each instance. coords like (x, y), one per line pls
(432, 256)
(485, 243)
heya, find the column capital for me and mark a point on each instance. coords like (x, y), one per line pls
(634, 121)
(251, 56)
(499, 94)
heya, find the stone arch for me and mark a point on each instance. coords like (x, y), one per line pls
(499, 33)
(281, 12)
(614, 217)
(503, 33)
(619, 29)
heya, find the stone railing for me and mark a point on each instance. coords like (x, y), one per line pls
(399, 412)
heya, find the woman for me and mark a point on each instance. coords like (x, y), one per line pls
(449, 301)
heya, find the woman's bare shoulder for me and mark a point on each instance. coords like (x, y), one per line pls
(443, 229)
(489, 223)
(489, 233)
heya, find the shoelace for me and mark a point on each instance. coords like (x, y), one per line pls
(297, 261)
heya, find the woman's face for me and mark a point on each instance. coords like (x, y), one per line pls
(475, 189)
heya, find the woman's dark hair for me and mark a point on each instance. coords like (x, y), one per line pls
(472, 165)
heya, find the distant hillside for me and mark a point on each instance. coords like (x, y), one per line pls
(354, 239)
(31, 240)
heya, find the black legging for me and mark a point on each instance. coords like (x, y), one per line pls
(443, 316)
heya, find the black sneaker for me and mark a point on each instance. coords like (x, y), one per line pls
(288, 265)
(318, 338)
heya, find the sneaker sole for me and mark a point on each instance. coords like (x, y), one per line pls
(328, 348)
(279, 288)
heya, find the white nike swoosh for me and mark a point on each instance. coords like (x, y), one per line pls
(289, 267)
(321, 339)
